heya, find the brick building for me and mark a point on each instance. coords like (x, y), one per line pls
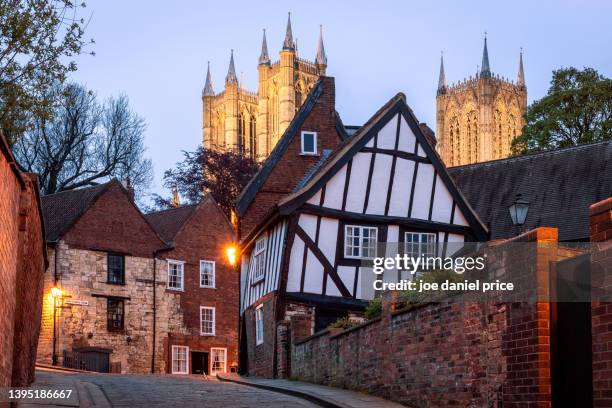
(120, 295)
(198, 237)
(23, 260)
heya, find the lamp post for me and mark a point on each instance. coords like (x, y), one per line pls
(518, 211)
(56, 295)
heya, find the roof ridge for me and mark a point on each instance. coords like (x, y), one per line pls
(80, 189)
(532, 154)
(171, 209)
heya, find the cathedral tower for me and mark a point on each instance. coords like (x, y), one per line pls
(252, 122)
(477, 118)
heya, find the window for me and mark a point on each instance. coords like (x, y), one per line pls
(207, 321)
(115, 265)
(207, 274)
(219, 364)
(259, 328)
(114, 314)
(309, 143)
(419, 243)
(360, 242)
(180, 362)
(175, 275)
(260, 259)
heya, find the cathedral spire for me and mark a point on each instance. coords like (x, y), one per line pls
(442, 77)
(231, 72)
(485, 69)
(288, 43)
(264, 58)
(208, 87)
(321, 57)
(521, 74)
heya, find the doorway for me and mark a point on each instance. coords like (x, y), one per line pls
(199, 362)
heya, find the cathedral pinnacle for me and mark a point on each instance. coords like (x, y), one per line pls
(288, 43)
(485, 69)
(264, 58)
(231, 72)
(208, 88)
(321, 57)
(442, 78)
(521, 73)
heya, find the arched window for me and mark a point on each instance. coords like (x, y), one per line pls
(242, 134)
(253, 137)
(472, 137)
(455, 143)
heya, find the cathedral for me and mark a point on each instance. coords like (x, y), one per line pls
(252, 122)
(477, 118)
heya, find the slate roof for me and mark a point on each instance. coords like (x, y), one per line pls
(560, 186)
(315, 167)
(62, 210)
(167, 223)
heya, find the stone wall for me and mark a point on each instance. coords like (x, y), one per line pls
(81, 274)
(455, 354)
(601, 235)
(22, 263)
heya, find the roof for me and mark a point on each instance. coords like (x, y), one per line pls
(248, 193)
(312, 171)
(560, 185)
(61, 210)
(346, 150)
(168, 223)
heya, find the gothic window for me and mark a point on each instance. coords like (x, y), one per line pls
(253, 138)
(241, 134)
(455, 142)
(498, 138)
(472, 137)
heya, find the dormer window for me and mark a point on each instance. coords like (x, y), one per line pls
(309, 143)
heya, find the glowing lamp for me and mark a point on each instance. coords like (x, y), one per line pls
(231, 253)
(56, 292)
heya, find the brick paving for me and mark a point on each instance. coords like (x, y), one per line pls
(169, 391)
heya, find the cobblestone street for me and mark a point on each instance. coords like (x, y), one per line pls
(168, 391)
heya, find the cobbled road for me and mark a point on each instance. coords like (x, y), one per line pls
(132, 390)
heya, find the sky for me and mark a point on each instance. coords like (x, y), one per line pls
(156, 52)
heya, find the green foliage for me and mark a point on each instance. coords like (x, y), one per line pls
(38, 40)
(576, 110)
(374, 309)
(343, 323)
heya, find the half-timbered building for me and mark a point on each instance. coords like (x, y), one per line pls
(303, 260)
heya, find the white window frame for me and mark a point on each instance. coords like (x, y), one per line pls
(182, 264)
(212, 361)
(214, 320)
(204, 262)
(259, 262)
(259, 325)
(361, 241)
(186, 348)
(315, 137)
(420, 245)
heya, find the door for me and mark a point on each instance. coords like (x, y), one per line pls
(199, 362)
(570, 337)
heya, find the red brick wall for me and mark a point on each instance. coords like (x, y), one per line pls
(601, 235)
(205, 237)
(292, 167)
(114, 224)
(22, 264)
(446, 354)
(260, 357)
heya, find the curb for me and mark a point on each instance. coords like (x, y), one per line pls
(321, 401)
(62, 369)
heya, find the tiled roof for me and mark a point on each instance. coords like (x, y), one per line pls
(167, 223)
(560, 186)
(315, 167)
(62, 210)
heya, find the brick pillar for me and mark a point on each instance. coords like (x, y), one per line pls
(283, 344)
(601, 235)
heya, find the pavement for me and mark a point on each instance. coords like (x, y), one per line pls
(96, 390)
(319, 394)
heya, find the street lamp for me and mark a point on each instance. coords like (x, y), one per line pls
(231, 253)
(56, 295)
(518, 210)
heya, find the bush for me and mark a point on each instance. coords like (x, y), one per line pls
(343, 323)
(374, 309)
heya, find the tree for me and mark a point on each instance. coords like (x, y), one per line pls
(84, 142)
(223, 174)
(38, 39)
(576, 110)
